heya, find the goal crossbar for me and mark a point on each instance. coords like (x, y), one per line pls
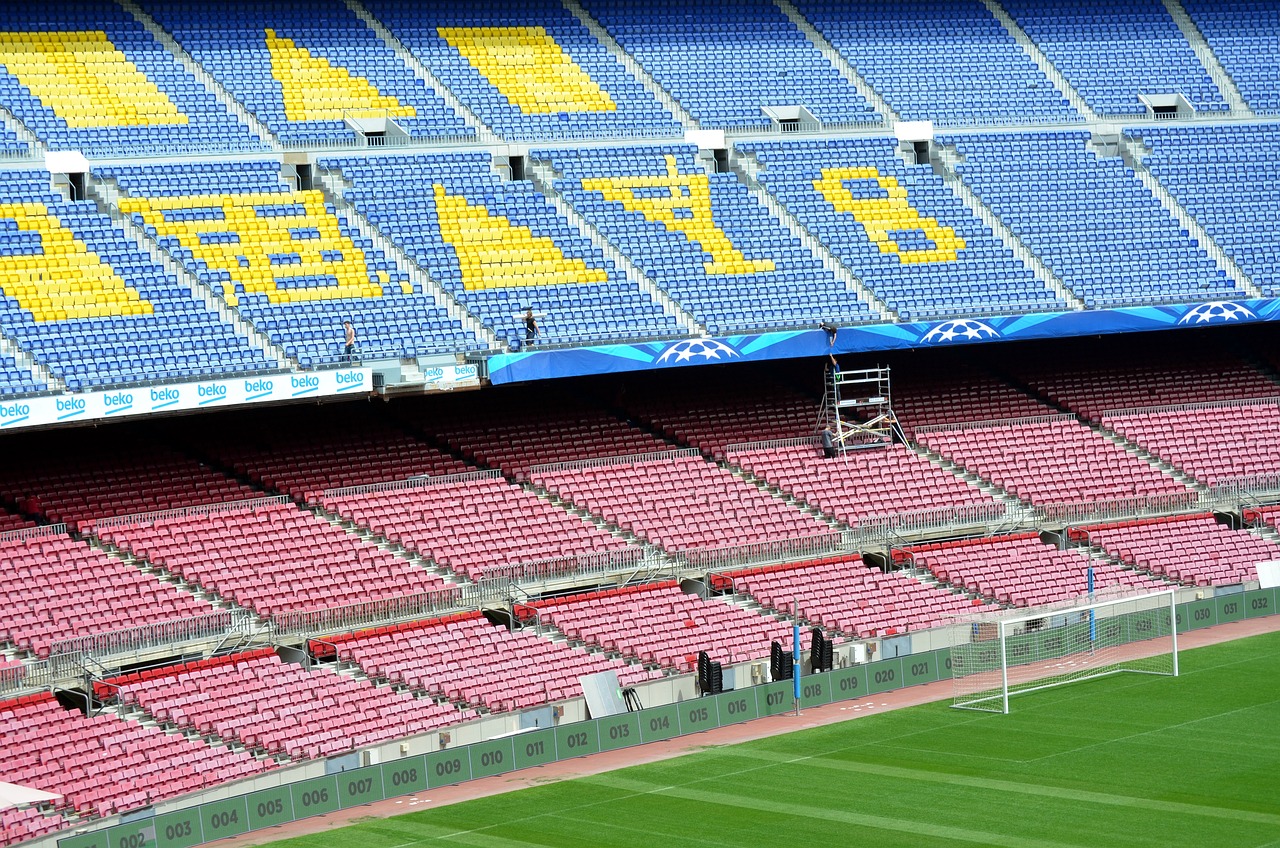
(998, 655)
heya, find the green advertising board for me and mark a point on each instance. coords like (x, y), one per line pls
(618, 731)
(445, 768)
(1197, 614)
(658, 723)
(494, 756)
(919, 668)
(404, 776)
(815, 690)
(535, 748)
(775, 698)
(697, 715)
(359, 786)
(1230, 607)
(733, 707)
(942, 661)
(85, 840)
(139, 834)
(1259, 602)
(270, 807)
(884, 675)
(576, 740)
(181, 829)
(220, 819)
(314, 797)
(849, 683)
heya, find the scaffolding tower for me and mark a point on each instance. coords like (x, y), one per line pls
(858, 407)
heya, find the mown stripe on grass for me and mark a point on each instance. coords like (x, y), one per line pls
(1018, 787)
(826, 813)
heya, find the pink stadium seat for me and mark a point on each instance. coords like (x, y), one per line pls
(860, 484)
(475, 524)
(846, 596)
(1212, 444)
(660, 624)
(53, 587)
(1023, 571)
(258, 700)
(65, 751)
(468, 660)
(1192, 549)
(271, 557)
(307, 455)
(1050, 461)
(529, 427)
(680, 503)
(106, 474)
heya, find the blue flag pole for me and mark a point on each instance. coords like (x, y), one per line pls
(1093, 625)
(795, 654)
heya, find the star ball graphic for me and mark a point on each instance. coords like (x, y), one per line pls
(960, 330)
(1217, 312)
(694, 349)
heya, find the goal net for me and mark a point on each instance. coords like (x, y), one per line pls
(997, 655)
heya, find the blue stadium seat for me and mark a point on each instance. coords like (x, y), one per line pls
(1088, 218)
(258, 264)
(1111, 52)
(528, 112)
(134, 98)
(500, 248)
(717, 250)
(916, 278)
(288, 63)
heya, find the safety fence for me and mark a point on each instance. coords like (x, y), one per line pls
(421, 482)
(994, 422)
(777, 550)
(939, 520)
(401, 608)
(1250, 486)
(46, 531)
(1118, 508)
(212, 626)
(188, 511)
(41, 674)
(1128, 411)
(579, 565)
(624, 459)
(769, 444)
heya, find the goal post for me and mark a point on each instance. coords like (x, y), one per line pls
(997, 655)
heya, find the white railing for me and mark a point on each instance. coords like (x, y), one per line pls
(1189, 407)
(46, 531)
(777, 550)
(422, 482)
(1135, 507)
(552, 568)
(994, 422)
(213, 625)
(187, 511)
(625, 459)
(936, 520)
(41, 675)
(369, 613)
(770, 444)
(1232, 488)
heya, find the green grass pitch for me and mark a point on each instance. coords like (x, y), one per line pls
(1130, 760)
